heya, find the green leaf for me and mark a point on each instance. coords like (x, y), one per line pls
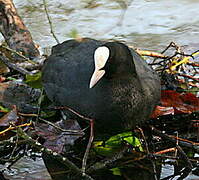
(4, 109)
(101, 149)
(48, 114)
(116, 171)
(34, 80)
(114, 143)
(11, 79)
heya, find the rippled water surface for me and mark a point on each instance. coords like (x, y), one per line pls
(147, 24)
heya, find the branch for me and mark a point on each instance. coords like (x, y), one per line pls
(64, 160)
(13, 66)
(50, 23)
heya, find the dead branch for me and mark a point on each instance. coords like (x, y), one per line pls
(6, 61)
(64, 160)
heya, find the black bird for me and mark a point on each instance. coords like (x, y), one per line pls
(106, 81)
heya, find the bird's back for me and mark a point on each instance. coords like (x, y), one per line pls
(114, 104)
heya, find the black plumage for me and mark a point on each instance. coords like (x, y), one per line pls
(122, 98)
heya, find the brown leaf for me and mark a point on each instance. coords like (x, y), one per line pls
(56, 139)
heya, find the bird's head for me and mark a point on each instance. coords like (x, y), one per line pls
(113, 59)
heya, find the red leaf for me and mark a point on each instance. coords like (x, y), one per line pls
(178, 102)
(161, 111)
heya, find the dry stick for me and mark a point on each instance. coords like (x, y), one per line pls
(11, 127)
(161, 156)
(60, 158)
(166, 151)
(189, 83)
(162, 52)
(6, 61)
(177, 144)
(50, 23)
(189, 77)
(149, 53)
(193, 64)
(147, 149)
(17, 53)
(172, 44)
(88, 147)
(180, 150)
(109, 162)
(70, 132)
(39, 105)
(143, 136)
(185, 172)
(90, 138)
(190, 166)
(181, 141)
(15, 147)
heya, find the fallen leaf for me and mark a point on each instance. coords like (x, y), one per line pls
(56, 139)
(173, 102)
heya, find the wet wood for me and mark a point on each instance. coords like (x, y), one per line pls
(14, 31)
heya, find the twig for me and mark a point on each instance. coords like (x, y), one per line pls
(39, 105)
(13, 66)
(143, 136)
(150, 53)
(166, 151)
(107, 163)
(17, 53)
(15, 146)
(50, 23)
(182, 142)
(189, 83)
(11, 127)
(60, 158)
(147, 149)
(84, 161)
(88, 146)
(188, 76)
(193, 64)
(27, 115)
(184, 60)
(161, 156)
(189, 164)
(162, 52)
(74, 112)
(63, 130)
(78, 132)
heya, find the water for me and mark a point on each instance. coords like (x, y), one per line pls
(147, 24)
(27, 169)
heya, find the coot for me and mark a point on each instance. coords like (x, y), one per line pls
(106, 81)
